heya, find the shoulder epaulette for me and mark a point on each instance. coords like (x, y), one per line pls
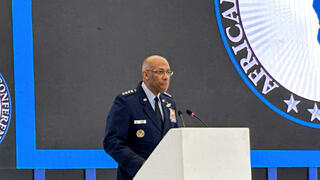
(167, 94)
(128, 92)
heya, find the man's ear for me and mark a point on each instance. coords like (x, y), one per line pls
(145, 75)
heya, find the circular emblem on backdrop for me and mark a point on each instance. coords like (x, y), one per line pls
(5, 108)
(275, 47)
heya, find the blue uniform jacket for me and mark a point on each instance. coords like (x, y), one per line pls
(133, 131)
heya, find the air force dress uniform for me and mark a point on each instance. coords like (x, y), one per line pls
(133, 129)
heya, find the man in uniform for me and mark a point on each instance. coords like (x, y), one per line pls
(139, 118)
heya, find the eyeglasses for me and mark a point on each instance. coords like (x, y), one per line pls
(162, 72)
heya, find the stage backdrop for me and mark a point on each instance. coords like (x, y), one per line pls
(230, 63)
(87, 52)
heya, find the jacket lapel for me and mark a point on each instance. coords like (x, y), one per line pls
(150, 112)
(147, 108)
(166, 114)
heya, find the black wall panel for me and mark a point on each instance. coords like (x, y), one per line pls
(292, 173)
(13, 174)
(7, 146)
(259, 174)
(70, 174)
(106, 174)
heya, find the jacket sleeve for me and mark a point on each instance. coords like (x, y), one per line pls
(115, 140)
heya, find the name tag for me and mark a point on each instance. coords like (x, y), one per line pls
(140, 121)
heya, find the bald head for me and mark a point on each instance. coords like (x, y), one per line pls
(152, 61)
(154, 73)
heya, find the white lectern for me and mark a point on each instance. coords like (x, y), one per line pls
(200, 154)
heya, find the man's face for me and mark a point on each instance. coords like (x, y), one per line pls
(156, 77)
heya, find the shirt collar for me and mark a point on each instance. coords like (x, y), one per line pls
(149, 94)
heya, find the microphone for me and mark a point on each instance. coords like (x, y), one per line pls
(193, 115)
(181, 117)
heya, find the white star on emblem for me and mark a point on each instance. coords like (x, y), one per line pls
(292, 104)
(315, 112)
